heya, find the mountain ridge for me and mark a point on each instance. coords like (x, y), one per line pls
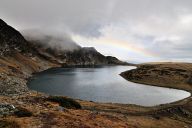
(20, 58)
(12, 40)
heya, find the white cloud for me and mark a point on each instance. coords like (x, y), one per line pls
(162, 28)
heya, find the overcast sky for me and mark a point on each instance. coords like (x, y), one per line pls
(135, 30)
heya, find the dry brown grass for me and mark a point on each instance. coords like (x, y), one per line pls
(173, 75)
(92, 115)
(46, 114)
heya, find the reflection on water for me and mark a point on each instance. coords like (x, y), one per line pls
(102, 84)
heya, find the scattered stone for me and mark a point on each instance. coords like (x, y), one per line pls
(60, 108)
(11, 85)
(7, 109)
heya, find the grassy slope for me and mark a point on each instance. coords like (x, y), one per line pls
(173, 75)
(48, 114)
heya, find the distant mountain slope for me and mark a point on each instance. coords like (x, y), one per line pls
(20, 58)
(12, 41)
(54, 40)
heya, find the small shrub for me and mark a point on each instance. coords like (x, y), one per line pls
(23, 112)
(65, 102)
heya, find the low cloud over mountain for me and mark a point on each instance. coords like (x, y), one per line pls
(151, 29)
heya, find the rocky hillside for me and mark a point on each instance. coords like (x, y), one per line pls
(78, 56)
(20, 58)
(11, 40)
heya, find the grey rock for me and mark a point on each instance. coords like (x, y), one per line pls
(6, 109)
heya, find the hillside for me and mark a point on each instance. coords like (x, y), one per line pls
(24, 108)
(11, 40)
(78, 56)
(159, 74)
(20, 58)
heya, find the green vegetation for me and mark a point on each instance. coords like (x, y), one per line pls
(65, 102)
(23, 112)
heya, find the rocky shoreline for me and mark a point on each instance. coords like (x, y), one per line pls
(31, 105)
(15, 83)
(11, 85)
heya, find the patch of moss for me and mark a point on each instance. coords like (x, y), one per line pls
(23, 112)
(8, 124)
(65, 102)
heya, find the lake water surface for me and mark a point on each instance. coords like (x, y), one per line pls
(102, 84)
